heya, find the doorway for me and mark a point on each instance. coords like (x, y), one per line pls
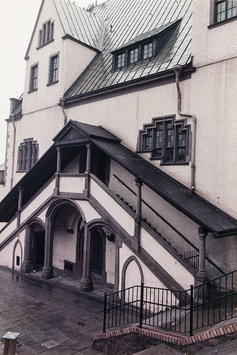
(38, 249)
(96, 253)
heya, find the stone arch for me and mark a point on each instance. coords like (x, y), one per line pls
(62, 219)
(17, 255)
(128, 262)
(34, 245)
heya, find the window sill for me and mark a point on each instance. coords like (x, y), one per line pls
(45, 44)
(33, 90)
(217, 24)
(174, 163)
(54, 82)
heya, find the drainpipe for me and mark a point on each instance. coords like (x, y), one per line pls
(62, 103)
(12, 116)
(177, 69)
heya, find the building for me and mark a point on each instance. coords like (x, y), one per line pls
(121, 153)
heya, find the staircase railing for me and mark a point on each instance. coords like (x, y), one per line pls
(191, 256)
(179, 311)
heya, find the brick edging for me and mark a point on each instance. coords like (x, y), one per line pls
(167, 336)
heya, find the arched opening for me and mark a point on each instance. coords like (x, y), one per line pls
(38, 248)
(97, 252)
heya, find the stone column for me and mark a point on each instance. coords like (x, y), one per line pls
(86, 281)
(27, 265)
(201, 275)
(88, 169)
(58, 170)
(137, 219)
(48, 252)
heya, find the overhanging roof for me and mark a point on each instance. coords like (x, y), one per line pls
(183, 199)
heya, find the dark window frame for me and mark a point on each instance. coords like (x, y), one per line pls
(166, 140)
(214, 20)
(53, 69)
(34, 70)
(46, 33)
(28, 152)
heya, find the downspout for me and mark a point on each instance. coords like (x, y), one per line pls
(177, 69)
(12, 116)
(62, 103)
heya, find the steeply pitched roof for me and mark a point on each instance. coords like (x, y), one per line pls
(80, 24)
(128, 21)
(192, 205)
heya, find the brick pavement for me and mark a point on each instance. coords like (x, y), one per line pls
(50, 319)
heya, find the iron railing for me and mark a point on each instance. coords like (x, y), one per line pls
(178, 311)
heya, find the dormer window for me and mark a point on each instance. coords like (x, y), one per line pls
(144, 47)
(147, 50)
(46, 33)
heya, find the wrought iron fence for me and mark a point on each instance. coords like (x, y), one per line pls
(179, 311)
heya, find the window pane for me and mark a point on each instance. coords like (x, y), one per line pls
(158, 141)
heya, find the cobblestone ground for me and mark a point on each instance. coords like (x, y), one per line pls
(50, 319)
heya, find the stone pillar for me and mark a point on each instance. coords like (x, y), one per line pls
(201, 276)
(27, 265)
(58, 170)
(20, 196)
(137, 219)
(88, 169)
(86, 281)
(48, 252)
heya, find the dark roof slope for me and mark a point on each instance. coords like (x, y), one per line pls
(128, 21)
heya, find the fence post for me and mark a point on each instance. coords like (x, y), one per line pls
(141, 303)
(104, 323)
(191, 311)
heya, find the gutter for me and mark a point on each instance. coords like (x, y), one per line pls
(177, 69)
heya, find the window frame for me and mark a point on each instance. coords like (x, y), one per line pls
(46, 33)
(33, 86)
(213, 13)
(28, 153)
(53, 78)
(170, 144)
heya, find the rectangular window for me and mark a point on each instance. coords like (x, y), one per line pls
(33, 78)
(46, 33)
(225, 10)
(147, 50)
(158, 141)
(169, 142)
(53, 75)
(133, 56)
(121, 60)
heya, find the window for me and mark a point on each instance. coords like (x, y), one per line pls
(166, 140)
(27, 155)
(53, 74)
(225, 10)
(46, 33)
(34, 78)
(133, 56)
(121, 60)
(147, 50)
